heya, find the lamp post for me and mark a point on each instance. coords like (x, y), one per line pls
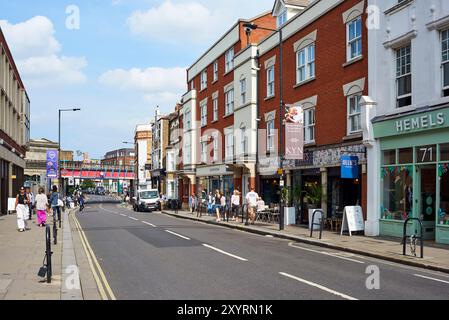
(59, 144)
(249, 28)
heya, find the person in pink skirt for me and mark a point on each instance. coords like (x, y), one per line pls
(41, 208)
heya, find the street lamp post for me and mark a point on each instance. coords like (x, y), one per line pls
(59, 144)
(250, 27)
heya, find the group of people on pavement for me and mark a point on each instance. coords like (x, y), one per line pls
(27, 202)
(218, 204)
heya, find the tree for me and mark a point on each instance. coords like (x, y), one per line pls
(86, 184)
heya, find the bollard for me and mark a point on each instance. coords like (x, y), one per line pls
(48, 253)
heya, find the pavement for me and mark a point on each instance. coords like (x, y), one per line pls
(436, 257)
(22, 255)
(156, 256)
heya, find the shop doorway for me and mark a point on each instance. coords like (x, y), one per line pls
(426, 199)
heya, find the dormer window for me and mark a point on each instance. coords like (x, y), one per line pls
(282, 18)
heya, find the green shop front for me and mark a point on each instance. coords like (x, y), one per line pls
(414, 172)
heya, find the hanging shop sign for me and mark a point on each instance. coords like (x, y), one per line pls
(52, 164)
(294, 133)
(349, 167)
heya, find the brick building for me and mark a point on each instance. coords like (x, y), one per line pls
(121, 157)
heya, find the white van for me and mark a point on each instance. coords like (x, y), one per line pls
(147, 200)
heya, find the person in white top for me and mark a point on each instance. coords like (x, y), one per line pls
(251, 200)
(41, 208)
(235, 204)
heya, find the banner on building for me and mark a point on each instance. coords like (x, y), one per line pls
(52, 164)
(294, 133)
(349, 167)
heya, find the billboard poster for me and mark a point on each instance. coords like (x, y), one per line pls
(52, 164)
(294, 133)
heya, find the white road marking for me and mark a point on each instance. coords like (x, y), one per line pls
(123, 215)
(150, 224)
(176, 234)
(316, 285)
(429, 278)
(224, 252)
(132, 218)
(335, 255)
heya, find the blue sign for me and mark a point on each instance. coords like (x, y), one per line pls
(349, 167)
(52, 164)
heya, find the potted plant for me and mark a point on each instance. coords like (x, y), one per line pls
(289, 212)
(313, 198)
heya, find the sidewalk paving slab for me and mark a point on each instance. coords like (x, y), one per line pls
(436, 257)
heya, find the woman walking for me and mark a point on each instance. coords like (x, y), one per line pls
(22, 200)
(218, 205)
(41, 207)
(235, 203)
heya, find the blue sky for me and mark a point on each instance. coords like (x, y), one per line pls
(127, 57)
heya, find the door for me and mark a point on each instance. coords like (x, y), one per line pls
(426, 198)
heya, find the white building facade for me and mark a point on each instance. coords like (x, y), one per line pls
(406, 117)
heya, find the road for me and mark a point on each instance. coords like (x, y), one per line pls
(151, 256)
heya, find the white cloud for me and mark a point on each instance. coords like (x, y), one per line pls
(150, 80)
(178, 22)
(37, 54)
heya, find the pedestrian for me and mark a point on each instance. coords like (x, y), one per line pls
(235, 204)
(192, 203)
(210, 203)
(223, 207)
(218, 205)
(81, 200)
(251, 200)
(22, 200)
(198, 204)
(32, 202)
(54, 202)
(41, 207)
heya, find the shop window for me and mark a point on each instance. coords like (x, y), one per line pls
(397, 193)
(443, 212)
(405, 155)
(426, 154)
(444, 152)
(389, 157)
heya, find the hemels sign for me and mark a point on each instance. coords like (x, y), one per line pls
(421, 122)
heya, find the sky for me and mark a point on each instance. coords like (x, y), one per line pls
(115, 59)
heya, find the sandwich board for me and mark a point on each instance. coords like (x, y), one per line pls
(352, 220)
(11, 204)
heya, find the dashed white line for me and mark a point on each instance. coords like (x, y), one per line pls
(335, 255)
(132, 218)
(150, 224)
(429, 278)
(316, 285)
(123, 215)
(176, 234)
(224, 252)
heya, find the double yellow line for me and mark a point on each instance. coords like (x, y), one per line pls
(102, 283)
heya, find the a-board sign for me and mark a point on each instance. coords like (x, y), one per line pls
(352, 220)
(11, 204)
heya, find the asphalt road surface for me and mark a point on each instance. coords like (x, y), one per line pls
(151, 256)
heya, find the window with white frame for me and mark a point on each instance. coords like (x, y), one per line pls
(244, 140)
(404, 76)
(270, 81)
(203, 152)
(215, 108)
(309, 125)
(187, 120)
(270, 135)
(204, 80)
(354, 114)
(229, 145)
(354, 38)
(204, 114)
(305, 60)
(229, 96)
(187, 149)
(243, 91)
(229, 60)
(171, 161)
(445, 61)
(215, 144)
(215, 71)
(282, 19)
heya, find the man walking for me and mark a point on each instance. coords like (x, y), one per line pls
(32, 202)
(251, 200)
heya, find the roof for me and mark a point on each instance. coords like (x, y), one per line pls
(295, 3)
